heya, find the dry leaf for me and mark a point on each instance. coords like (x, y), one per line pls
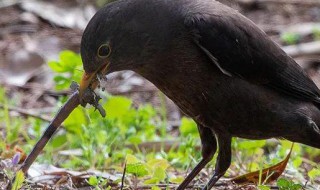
(268, 174)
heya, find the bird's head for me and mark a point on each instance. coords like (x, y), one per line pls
(113, 40)
(125, 35)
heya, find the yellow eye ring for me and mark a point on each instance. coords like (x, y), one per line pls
(104, 51)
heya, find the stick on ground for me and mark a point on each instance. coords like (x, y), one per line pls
(62, 114)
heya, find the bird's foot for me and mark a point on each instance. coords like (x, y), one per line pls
(212, 182)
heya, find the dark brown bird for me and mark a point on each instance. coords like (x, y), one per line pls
(214, 63)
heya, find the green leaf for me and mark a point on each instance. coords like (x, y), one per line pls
(263, 187)
(155, 188)
(135, 166)
(117, 106)
(297, 162)
(101, 137)
(58, 141)
(154, 163)
(135, 140)
(61, 82)
(17, 184)
(56, 67)
(67, 66)
(159, 173)
(315, 172)
(93, 180)
(296, 187)
(176, 179)
(138, 169)
(283, 183)
(69, 59)
(130, 159)
(188, 126)
(75, 120)
(153, 180)
(251, 144)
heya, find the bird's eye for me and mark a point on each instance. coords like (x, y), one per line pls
(104, 50)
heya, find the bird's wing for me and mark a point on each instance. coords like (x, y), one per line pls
(240, 49)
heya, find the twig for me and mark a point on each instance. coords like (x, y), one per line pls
(63, 113)
(123, 175)
(26, 113)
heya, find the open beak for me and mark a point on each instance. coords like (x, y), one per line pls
(90, 80)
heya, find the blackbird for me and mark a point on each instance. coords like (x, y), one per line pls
(214, 63)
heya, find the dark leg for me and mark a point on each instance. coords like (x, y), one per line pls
(209, 147)
(223, 160)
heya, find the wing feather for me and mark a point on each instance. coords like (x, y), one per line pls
(240, 49)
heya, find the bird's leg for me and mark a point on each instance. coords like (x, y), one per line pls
(223, 160)
(209, 147)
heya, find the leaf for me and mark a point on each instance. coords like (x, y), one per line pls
(101, 137)
(151, 181)
(130, 159)
(263, 187)
(17, 184)
(296, 187)
(188, 126)
(93, 180)
(315, 172)
(154, 163)
(61, 82)
(135, 140)
(135, 166)
(117, 106)
(176, 180)
(69, 59)
(75, 120)
(56, 66)
(297, 162)
(67, 66)
(155, 188)
(138, 169)
(285, 184)
(159, 173)
(58, 141)
(268, 174)
(245, 145)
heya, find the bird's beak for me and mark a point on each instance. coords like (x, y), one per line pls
(91, 79)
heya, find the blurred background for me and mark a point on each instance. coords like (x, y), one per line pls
(39, 46)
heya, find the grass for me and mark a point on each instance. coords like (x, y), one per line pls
(107, 144)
